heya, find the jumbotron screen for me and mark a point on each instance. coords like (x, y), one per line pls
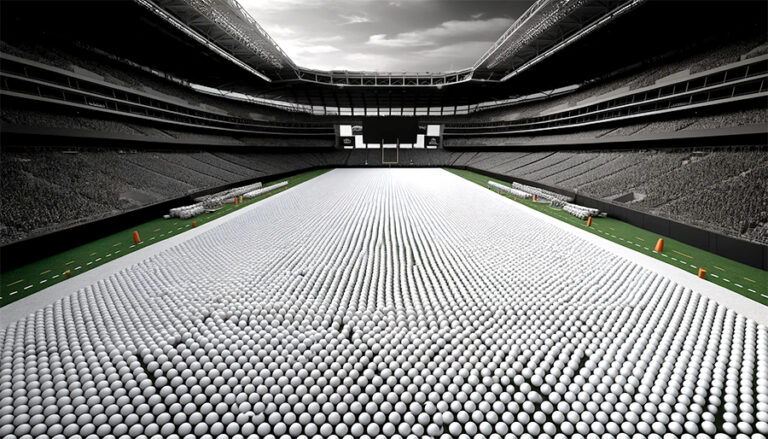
(390, 129)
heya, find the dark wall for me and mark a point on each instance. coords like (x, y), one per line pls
(739, 250)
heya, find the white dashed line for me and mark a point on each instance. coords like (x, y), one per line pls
(692, 266)
(664, 255)
(13, 292)
(674, 258)
(151, 238)
(78, 267)
(28, 287)
(117, 251)
(108, 255)
(89, 263)
(55, 276)
(134, 245)
(715, 276)
(98, 259)
(44, 281)
(738, 285)
(726, 280)
(750, 289)
(764, 296)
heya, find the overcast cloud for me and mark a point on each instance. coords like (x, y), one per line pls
(385, 35)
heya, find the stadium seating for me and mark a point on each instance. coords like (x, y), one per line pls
(69, 186)
(721, 189)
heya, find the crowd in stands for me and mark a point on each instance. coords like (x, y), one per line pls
(723, 189)
(44, 189)
(720, 189)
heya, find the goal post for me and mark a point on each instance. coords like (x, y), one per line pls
(387, 158)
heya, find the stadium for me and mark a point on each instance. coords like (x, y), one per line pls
(384, 219)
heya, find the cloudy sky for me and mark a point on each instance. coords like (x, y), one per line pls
(385, 35)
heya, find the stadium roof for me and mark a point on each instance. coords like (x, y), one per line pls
(215, 43)
(548, 25)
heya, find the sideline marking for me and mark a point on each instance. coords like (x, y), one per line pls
(721, 269)
(746, 278)
(639, 238)
(45, 272)
(679, 253)
(115, 245)
(70, 262)
(14, 283)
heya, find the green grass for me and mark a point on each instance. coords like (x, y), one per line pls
(743, 279)
(29, 279)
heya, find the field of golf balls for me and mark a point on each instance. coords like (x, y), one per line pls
(385, 304)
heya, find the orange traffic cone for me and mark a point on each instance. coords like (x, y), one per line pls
(235, 201)
(194, 224)
(534, 198)
(68, 273)
(702, 273)
(659, 245)
(136, 238)
(589, 221)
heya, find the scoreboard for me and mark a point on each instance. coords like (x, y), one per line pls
(396, 132)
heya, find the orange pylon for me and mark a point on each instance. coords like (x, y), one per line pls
(589, 221)
(702, 273)
(534, 198)
(235, 201)
(659, 245)
(68, 273)
(194, 224)
(136, 238)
